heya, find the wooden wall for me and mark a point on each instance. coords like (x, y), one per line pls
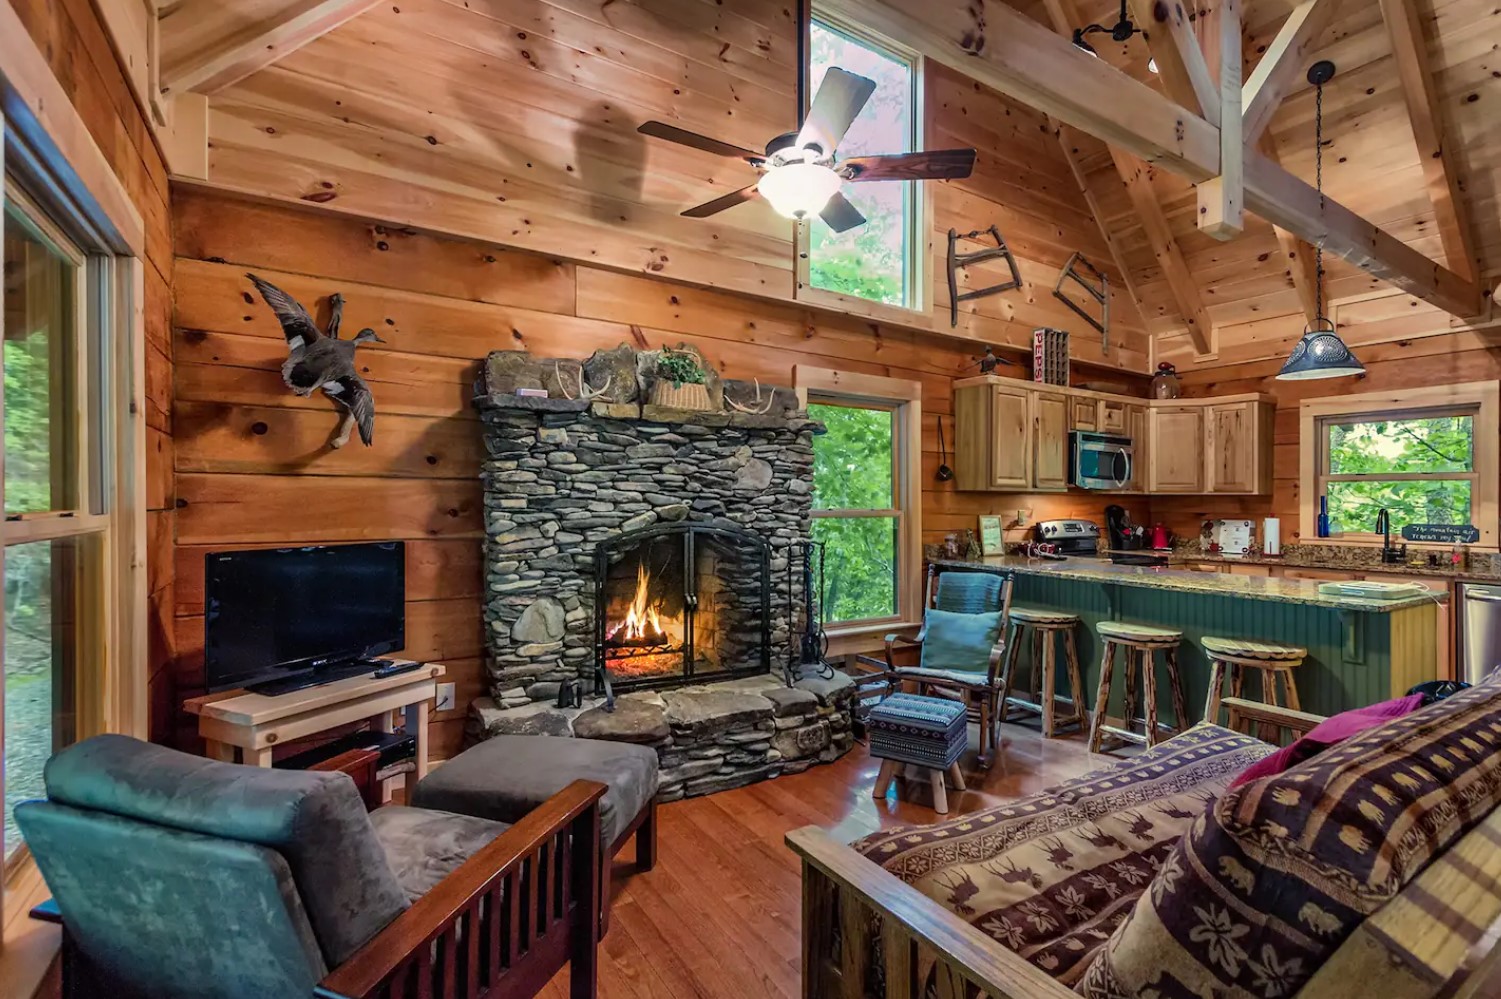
(515, 123)
(251, 462)
(1394, 365)
(74, 41)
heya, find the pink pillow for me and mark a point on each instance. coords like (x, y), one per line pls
(1327, 733)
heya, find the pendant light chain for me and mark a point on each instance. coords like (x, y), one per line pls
(1318, 179)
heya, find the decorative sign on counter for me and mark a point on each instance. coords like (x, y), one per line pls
(992, 536)
(1446, 534)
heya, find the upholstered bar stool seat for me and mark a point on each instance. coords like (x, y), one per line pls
(1273, 662)
(1044, 626)
(1141, 643)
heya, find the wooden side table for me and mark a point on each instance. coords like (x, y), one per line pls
(255, 723)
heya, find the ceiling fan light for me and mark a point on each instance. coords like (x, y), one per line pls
(1320, 354)
(798, 190)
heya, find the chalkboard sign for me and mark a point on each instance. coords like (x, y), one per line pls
(1447, 534)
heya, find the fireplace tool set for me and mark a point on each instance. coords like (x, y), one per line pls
(808, 658)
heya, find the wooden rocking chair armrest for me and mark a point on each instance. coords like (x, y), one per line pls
(437, 913)
(907, 915)
(1241, 710)
(896, 640)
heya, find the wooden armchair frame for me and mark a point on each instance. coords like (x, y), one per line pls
(499, 927)
(980, 696)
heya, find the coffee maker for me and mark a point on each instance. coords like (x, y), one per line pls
(1127, 539)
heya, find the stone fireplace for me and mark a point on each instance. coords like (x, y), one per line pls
(649, 543)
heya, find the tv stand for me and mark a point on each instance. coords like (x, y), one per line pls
(255, 724)
(316, 677)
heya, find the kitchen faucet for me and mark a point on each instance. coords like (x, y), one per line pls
(1389, 555)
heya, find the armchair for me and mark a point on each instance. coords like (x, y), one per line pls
(977, 684)
(179, 877)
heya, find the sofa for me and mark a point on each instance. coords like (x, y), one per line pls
(1372, 869)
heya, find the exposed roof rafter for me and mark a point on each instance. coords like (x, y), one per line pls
(1282, 65)
(1002, 48)
(1222, 199)
(231, 59)
(1440, 172)
(1170, 37)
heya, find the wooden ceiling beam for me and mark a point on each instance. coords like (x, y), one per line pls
(1302, 266)
(1008, 51)
(1222, 199)
(232, 59)
(1180, 61)
(1136, 176)
(1440, 171)
(1282, 65)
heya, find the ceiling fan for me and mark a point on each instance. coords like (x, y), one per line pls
(799, 174)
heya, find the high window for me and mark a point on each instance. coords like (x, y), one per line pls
(878, 261)
(1429, 459)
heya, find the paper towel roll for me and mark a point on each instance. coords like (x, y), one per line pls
(1271, 536)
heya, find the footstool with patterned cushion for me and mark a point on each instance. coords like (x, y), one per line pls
(923, 733)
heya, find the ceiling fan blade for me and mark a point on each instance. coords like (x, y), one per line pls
(937, 164)
(837, 104)
(683, 137)
(718, 205)
(840, 215)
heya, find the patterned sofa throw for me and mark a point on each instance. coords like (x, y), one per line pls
(1282, 870)
(1050, 876)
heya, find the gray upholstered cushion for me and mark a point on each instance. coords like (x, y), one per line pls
(423, 847)
(315, 820)
(507, 776)
(173, 914)
(962, 592)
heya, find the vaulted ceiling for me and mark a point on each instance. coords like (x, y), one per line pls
(532, 104)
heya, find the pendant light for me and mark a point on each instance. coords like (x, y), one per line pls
(1320, 353)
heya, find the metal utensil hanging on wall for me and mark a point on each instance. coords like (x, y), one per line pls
(945, 473)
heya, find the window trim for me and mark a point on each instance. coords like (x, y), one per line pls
(904, 398)
(1482, 399)
(49, 143)
(920, 234)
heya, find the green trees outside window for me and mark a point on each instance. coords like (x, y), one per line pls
(872, 261)
(1422, 470)
(854, 511)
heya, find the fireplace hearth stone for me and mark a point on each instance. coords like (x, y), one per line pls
(708, 737)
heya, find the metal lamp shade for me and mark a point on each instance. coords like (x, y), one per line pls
(1320, 354)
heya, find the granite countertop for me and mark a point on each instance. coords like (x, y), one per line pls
(1295, 561)
(1093, 570)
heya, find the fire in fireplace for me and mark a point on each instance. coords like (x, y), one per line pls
(682, 603)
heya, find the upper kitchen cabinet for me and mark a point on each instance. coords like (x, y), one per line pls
(1050, 441)
(1238, 447)
(1010, 435)
(1176, 443)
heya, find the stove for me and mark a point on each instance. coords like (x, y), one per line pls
(1069, 537)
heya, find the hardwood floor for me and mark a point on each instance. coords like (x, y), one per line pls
(719, 915)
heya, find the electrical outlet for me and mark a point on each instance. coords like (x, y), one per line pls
(445, 697)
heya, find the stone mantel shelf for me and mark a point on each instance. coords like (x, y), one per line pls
(648, 413)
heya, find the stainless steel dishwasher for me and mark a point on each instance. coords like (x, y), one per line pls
(1479, 630)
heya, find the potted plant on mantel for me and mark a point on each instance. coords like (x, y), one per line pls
(680, 381)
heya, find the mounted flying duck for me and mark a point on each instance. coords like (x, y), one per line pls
(322, 361)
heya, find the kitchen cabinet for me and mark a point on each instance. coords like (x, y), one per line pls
(1114, 416)
(1175, 437)
(1049, 441)
(1237, 447)
(1083, 413)
(1012, 436)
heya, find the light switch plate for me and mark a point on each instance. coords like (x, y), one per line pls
(445, 697)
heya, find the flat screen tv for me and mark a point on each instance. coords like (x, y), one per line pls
(271, 613)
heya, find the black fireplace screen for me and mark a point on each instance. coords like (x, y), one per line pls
(678, 603)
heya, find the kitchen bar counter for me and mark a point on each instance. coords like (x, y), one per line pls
(1293, 591)
(1360, 651)
(1178, 558)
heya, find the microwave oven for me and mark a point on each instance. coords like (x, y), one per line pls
(1099, 461)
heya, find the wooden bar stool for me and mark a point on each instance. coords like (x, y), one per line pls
(1044, 626)
(1271, 660)
(1141, 643)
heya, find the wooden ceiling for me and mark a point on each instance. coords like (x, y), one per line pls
(532, 104)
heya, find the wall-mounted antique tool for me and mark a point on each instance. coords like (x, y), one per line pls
(1098, 289)
(958, 261)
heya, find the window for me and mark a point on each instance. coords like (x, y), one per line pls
(866, 495)
(1423, 464)
(56, 522)
(877, 261)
